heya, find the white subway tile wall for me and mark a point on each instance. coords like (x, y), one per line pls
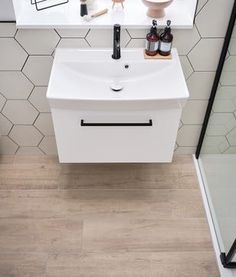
(26, 58)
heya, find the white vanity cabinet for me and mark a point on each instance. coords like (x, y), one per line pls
(85, 136)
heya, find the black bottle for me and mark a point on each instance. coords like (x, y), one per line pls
(83, 8)
(166, 39)
(152, 40)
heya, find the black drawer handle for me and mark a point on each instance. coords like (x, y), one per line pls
(83, 124)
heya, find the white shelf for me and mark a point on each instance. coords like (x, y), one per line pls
(181, 13)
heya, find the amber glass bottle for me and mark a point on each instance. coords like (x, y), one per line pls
(166, 40)
(152, 40)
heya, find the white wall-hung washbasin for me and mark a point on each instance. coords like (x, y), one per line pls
(106, 110)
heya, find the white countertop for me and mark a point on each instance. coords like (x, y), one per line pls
(181, 13)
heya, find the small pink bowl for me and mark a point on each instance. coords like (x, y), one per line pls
(156, 8)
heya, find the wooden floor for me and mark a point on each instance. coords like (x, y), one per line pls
(102, 220)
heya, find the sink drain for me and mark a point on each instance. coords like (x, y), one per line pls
(116, 86)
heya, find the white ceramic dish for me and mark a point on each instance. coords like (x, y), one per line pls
(156, 8)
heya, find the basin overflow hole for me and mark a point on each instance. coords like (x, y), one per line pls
(126, 66)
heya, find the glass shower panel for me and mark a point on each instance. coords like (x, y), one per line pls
(218, 154)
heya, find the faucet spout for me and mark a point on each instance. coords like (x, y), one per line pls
(116, 42)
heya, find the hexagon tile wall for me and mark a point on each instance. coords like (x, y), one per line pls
(26, 58)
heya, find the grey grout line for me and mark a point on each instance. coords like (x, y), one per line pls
(55, 30)
(128, 43)
(87, 42)
(13, 142)
(12, 125)
(35, 119)
(194, 46)
(190, 64)
(87, 34)
(31, 94)
(201, 8)
(21, 46)
(38, 145)
(22, 68)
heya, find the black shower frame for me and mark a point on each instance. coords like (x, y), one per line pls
(217, 79)
(226, 259)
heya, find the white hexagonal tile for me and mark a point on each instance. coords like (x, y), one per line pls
(38, 41)
(12, 55)
(229, 72)
(185, 150)
(220, 124)
(136, 43)
(73, 43)
(48, 145)
(230, 150)
(194, 112)
(214, 145)
(2, 101)
(39, 100)
(5, 125)
(188, 135)
(205, 55)
(223, 106)
(7, 146)
(232, 137)
(186, 66)
(138, 33)
(14, 85)
(104, 38)
(212, 20)
(44, 124)
(185, 40)
(20, 112)
(226, 93)
(38, 68)
(232, 46)
(25, 135)
(7, 29)
(200, 85)
(72, 33)
(29, 151)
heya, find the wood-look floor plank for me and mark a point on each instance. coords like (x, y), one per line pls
(46, 173)
(23, 264)
(40, 235)
(130, 264)
(122, 232)
(165, 203)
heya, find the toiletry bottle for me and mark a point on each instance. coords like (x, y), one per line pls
(166, 39)
(152, 40)
(83, 8)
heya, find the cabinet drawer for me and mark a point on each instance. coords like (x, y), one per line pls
(142, 136)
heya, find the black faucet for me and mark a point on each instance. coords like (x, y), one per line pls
(116, 42)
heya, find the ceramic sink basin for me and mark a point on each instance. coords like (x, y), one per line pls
(93, 75)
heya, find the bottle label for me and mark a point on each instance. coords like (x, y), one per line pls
(165, 46)
(152, 46)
